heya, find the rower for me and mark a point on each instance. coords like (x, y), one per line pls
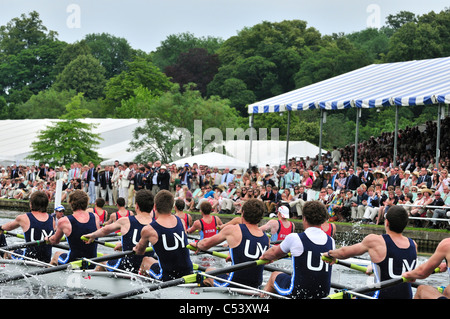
(247, 243)
(99, 211)
(390, 253)
(311, 277)
(207, 225)
(424, 270)
(73, 227)
(37, 225)
(179, 211)
(130, 228)
(121, 212)
(281, 227)
(167, 235)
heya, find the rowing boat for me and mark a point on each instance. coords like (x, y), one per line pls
(78, 282)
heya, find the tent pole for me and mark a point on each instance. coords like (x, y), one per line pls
(438, 135)
(287, 137)
(320, 136)
(251, 142)
(394, 161)
(355, 156)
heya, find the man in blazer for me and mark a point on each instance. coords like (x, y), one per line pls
(394, 179)
(163, 178)
(424, 178)
(366, 176)
(105, 183)
(352, 181)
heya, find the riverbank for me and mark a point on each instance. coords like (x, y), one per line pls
(346, 233)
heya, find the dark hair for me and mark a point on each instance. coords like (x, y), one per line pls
(39, 202)
(100, 202)
(315, 213)
(206, 207)
(121, 202)
(253, 211)
(164, 202)
(78, 200)
(397, 218)
(144, 199)
(179, 204)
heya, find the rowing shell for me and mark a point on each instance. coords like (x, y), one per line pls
(94, 284)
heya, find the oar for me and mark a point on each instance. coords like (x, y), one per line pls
(25, 244)
(373, 287)
(30, 243)
(346, 264)
(22, 236)
(104, 243)
(224, 256)
(110, 245)
(74, 264)
(364, 269)
(192, 278)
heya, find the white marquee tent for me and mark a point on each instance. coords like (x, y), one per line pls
(213, 159)
(272, 152)
(16, 137)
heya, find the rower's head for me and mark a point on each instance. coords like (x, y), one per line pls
(164, 202)
(253, 211)
(397, 218)
(78, 200)
(180, 205)
(206, 208)
(315, 213)
(144, 200)
(39, 202)
(120, 202)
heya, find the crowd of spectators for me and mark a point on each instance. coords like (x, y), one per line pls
(351, 193)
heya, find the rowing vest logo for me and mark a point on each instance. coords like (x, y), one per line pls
(43, 234)
(259, 250)
(405, 267)
(179, 240)
(319, 266)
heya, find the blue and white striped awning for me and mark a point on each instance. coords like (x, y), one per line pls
(422, 82)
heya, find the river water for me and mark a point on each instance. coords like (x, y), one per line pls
(24, 289)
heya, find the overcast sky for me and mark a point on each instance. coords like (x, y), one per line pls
(145, 23)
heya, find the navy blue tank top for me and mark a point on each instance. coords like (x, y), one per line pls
(130, 239)
(250, 248)
(312, 276)
(78, 248)
(397, 261)
(38, 231)
(173, 256)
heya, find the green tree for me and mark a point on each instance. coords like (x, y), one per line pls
(265, 57)
(139, 73)
(175, 44)
(68, 140)
(111, 51)
(70, 53)
(422, 39)
(28, 53)
(335, 57)
(175, 111)
(85, 75)
(195, 66)
(46, 104)
(375, 42)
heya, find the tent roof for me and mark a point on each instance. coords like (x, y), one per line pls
(420, 82)
(17, 136)
(213, 159)
(272, 152)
